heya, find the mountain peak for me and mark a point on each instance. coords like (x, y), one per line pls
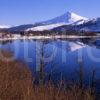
(70, 13)
(72, 17)
(67, 18)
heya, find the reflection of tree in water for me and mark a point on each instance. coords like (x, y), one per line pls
(40, 63)
(42, 60)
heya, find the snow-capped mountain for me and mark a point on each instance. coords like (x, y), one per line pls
(67, 22)
(65, 19)
(68, 18)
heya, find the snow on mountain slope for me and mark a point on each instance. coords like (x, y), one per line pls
(68, 18)
(45, 27)
(21, 27)
(92, 25)
(4, 26)
(65, 19)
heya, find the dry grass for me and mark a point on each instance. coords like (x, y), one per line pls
(16, 84)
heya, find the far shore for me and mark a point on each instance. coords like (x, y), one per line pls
(46, 37)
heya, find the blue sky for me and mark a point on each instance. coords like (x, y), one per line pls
(16, 12)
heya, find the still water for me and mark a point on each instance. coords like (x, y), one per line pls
(60, 57)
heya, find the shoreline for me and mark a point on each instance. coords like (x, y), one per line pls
(47, 37)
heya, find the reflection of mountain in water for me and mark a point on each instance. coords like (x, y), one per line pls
(65, 58)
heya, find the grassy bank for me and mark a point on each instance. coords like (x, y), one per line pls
(16, 83)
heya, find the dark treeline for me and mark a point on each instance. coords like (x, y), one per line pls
(50, 32)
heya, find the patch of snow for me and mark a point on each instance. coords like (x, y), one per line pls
(4, 26)
(74, 17)
(45, 27)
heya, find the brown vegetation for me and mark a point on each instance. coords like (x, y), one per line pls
(16, 84)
